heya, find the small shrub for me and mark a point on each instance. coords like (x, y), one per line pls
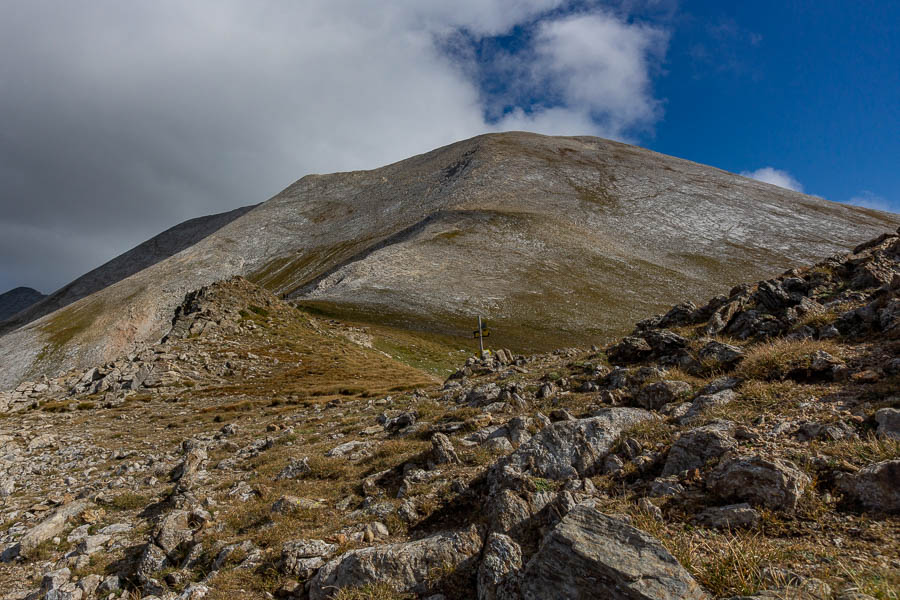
(259, 311)
(129, 501)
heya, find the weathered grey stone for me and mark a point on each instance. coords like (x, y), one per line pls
(694, 448)
(509, 511)
(302, 558)
(876, 487)
(771, 483)
(888, 420)
(501, 559)
(571, 449)
(591, 555)
(483, 394)
(731, 516)
(629, 350)
(93, 543)
(46, 529)
(403, 566)
(294, 469)
(718, 354)
(442, 451)
(655, 395)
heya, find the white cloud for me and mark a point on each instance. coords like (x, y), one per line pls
(775, 177)
(869, 199)
(127, 117)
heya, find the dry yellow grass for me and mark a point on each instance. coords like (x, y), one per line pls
(777, 359)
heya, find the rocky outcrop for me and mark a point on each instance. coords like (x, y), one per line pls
(876, 487)
(592, 555)
(50, 527)
(570, 449)
(694, 448)
(404, 567)
(771, 483)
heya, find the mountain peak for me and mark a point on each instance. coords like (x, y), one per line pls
(17, 300)
(545, 236)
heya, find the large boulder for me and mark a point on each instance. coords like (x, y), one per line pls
(876, 487)
(570, 449)
(765, 482)
(592, 555)
(405, 567)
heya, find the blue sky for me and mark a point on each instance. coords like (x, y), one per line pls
(804, 94)
(812, 88)
(122, 119)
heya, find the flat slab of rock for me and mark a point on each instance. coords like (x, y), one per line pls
(572, 449)
(729, 517)
(405, 567)
(592, 555)
(46, 529)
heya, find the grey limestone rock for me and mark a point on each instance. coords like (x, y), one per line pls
(876, 487)
(592, 555)
(888, 420)
(694, 448)
(405, 567)
(765, 482)
(656, 395)
(731, 516)
(570, 449)
(501, 560)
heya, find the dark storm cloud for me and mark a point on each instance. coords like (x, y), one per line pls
(121, 119)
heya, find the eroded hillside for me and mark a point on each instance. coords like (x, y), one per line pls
(544, 236)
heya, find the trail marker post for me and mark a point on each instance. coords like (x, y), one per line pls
(481, 333)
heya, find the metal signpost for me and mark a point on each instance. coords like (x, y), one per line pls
(481, 333)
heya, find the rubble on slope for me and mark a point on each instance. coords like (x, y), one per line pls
(742, 448)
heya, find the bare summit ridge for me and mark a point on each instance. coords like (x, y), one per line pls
(571, 236)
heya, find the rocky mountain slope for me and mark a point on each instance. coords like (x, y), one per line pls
(18, 299)
(746, 447)
(545, 237)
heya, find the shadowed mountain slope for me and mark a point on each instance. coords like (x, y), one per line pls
(161, 247)
(18, 299)
(549, 238)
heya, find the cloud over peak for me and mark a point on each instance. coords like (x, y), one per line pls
(775, 177)
(126, 118)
